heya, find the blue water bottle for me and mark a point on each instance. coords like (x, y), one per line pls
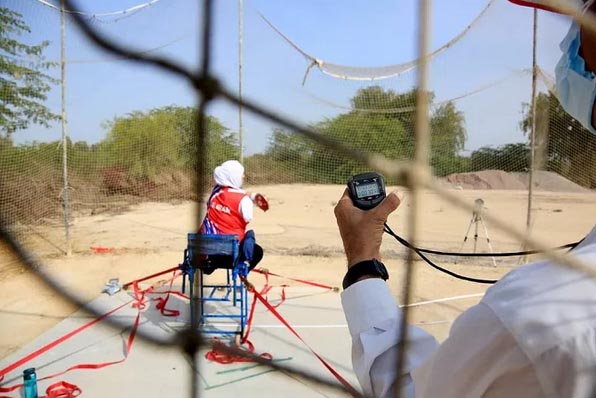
(30, 383)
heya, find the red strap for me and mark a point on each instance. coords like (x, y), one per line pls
(266, 288)
(125, 286)
(161, 302)
(311, 283)
(222, 357)
(339, 377)
(62, 389)
(139, 303)
(249, 321)
(54, 343)
(172, 292)
(88, 365)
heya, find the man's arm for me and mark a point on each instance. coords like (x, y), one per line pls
(371, 311)
(374, 320)
(480, 357)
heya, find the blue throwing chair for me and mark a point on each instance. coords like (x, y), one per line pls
(200, 257)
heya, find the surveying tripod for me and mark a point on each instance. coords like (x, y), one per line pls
(477, 219)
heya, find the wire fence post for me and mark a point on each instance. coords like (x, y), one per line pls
(240, 44)
(533, 107)
(533, 127)
(420, 166)
(65, 198)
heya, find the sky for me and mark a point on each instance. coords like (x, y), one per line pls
(349, 32)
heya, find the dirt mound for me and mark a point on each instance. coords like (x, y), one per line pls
(485, 179)
(549, 181)
(499, 179)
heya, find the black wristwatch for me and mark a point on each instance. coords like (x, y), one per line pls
(369, 267)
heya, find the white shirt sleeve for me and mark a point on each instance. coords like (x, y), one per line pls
(480, 357)
(373, 320)
(246, 208)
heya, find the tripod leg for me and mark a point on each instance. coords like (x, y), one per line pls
(476, 218)
(465, 239)
(490, 247)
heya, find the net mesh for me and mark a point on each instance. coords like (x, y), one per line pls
(480, 121)
(143, 150)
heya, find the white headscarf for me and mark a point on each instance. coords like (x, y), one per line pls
(229, 174)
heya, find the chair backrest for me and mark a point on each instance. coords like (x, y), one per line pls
(211, 244)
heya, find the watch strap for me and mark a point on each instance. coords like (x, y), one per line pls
(372, 267)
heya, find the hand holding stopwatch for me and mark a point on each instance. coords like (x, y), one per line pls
(366, 190)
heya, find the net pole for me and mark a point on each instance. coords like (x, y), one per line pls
(533, 127)
(240, 61)
(421, 155)
(66, 204)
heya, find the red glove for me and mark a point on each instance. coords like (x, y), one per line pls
(261, 202)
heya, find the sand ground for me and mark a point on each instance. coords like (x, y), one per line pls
(300, 239)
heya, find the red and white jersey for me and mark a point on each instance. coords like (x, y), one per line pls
(229, 210)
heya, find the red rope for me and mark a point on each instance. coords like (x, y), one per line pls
(63, 389)
(273, 311)
(162, 302)
(311, 283)
(127, 285)
(219, 355)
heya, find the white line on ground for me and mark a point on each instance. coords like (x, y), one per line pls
(445, 299)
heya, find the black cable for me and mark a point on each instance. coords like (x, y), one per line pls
(421, 252)
(501, 254)
(435, 266)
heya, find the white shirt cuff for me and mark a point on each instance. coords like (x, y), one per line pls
(367, 304)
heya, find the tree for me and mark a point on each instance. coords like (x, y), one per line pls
(381, 121)
(146, 143)
(23, 85)
(563, 145)
(510, 157)
(447, 139)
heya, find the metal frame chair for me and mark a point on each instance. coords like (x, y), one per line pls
(197, 260)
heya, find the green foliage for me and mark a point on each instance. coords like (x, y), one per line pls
(23, 87)
(381, 121)
(563, 145)
(146, 143)
(510, 157)
(262, 169)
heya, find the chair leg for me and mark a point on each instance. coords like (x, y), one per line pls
(201, 301)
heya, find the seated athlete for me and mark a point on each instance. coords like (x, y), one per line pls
(229, 210)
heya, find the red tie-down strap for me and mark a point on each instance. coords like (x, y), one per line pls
(127, 285)
(273, 311)
(264, 291)
(266, 272)
(163, 301)
(267, 288)
(56, 387)
(224, 358)
(218, 355)
(56, 342)
(60, 390)
(80, 366)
